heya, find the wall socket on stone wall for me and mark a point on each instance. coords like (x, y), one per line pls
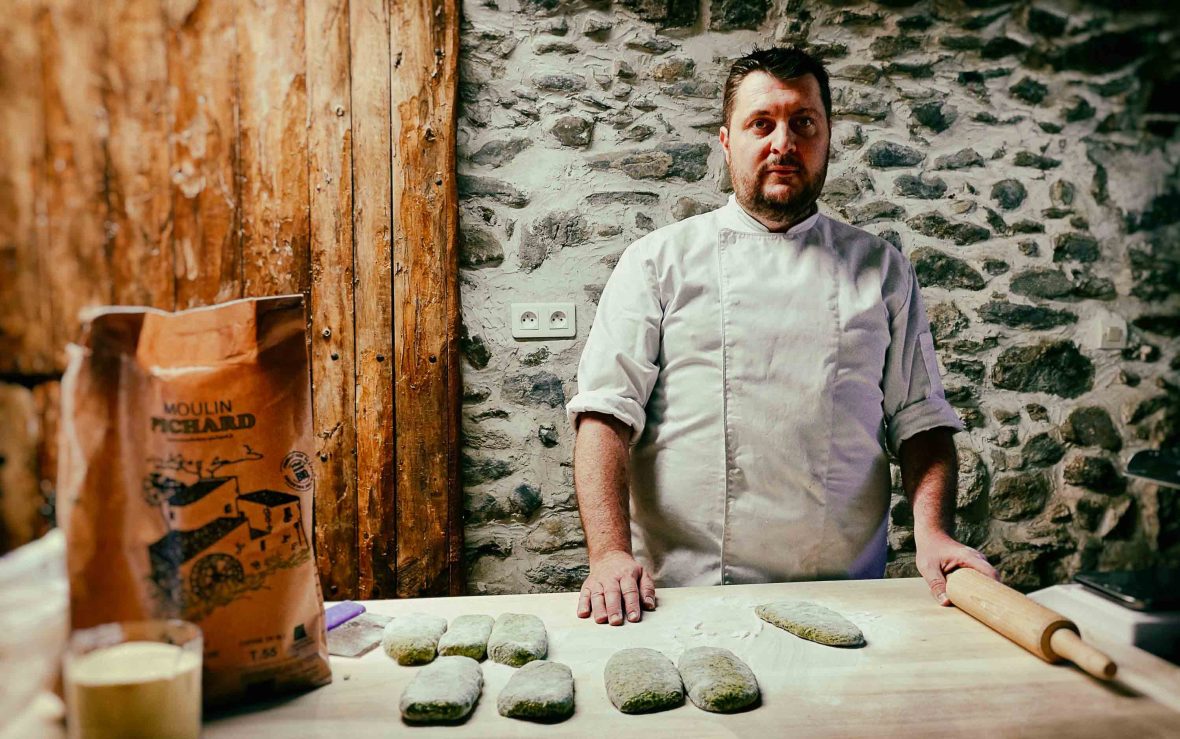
(543, 321)
(1108, 332)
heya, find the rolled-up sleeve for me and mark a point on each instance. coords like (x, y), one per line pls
(914, 399)
(618, 368)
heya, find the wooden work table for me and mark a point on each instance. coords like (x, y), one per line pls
(926, 671)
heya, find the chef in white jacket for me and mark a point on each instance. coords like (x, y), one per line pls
(746, 375)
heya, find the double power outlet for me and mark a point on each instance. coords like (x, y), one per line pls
(543, 320)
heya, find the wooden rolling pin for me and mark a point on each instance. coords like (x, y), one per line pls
(1045, 633)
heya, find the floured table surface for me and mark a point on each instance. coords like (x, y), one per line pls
(926, 671)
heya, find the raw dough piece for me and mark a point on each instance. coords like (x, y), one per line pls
(813, 622)
(642, 680)
(468, 636)
(412, 639)
(540, 690)
(716, 680)
(445, 690)
(517, 639)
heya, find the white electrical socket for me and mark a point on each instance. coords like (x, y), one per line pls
(543, 321)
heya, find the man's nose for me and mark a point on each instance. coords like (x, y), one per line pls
(782, 139)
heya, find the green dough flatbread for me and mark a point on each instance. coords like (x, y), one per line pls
(445, 690)
(812, 622)
(642, 680)
(717, 681)
(517, 639)
(468, 636)
(540, 691)
(413, 639)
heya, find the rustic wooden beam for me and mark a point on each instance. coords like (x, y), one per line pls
(369, 30)
(20, 491)
(74, 198)
(425, 51)
(202, 74)
(272, 105)
(135, 91)
(330, 196)
(26, 329)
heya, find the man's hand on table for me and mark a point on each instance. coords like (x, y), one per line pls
(618, 587)
(939, 554)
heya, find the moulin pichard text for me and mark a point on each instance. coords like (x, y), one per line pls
(202, 417)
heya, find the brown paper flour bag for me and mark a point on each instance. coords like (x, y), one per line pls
(185, 488)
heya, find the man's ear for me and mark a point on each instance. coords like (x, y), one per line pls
(723, 134)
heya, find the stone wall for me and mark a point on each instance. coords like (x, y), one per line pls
(1023, 155)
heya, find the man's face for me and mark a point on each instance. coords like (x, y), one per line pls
(776, 146)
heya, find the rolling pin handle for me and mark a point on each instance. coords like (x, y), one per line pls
(1066, 644)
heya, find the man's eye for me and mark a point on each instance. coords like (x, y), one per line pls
(805, 121)
(760, 124)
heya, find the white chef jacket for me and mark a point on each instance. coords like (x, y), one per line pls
(762, 375)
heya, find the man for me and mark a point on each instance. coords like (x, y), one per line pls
(761, 359)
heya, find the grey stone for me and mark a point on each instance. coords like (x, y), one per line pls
(1055, 367)
(474, 350)
(686, 207)
(841, 191)
(1091, 426)
(1037, 161)
(1077, 109)
(973, 481)
(995, 266)
(813, 622)
(467, 635)
(412, 639)
(1046, 23)
(556, 230)
(693, 88)
(1076, 247)
(622, 198)
(731, 15)
(1161, 324)
(444, 691)
(865, 74)
(1040, 282)
(969, 368)
(674, 69)
(517, 639)
(946, 320)
(1015, 315)
(1029, 248)
(885, 154)
(917, 70)
(478, 470)
(1037, 412)
(499, 153)
(477, 438)
(564, 48)
(860, 105)
(554, 533)
(485, 187)
(1029, 90)
(961, 159)
(888, 47)
(934, 115)
(960, 43)
(1103, 53)
(936, 225)
(1088, 285)
(924, 188)
(655, 45)
(542, 388)
(559, 83)
(547, 433)
(1155, 275)
(479, 248)
(1027, 227)
(573, 131)
(1018, 496)
(875, 211)
(533, 359)
(717, 681)
(665, 13)
(686, 161)
(1000, 47)
(1042, 450)
(1009, 193)
(560, 572)
(539, 691)
(641, 680)
(936, 269)
(917, 22)
(1095, 473)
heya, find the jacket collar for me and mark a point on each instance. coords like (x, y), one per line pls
(738, 219)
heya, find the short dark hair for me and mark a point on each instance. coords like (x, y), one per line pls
(783, 63)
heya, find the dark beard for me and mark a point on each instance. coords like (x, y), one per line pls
(797, 206)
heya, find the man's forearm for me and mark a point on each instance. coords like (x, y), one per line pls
(600, 481)
(929, 475)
